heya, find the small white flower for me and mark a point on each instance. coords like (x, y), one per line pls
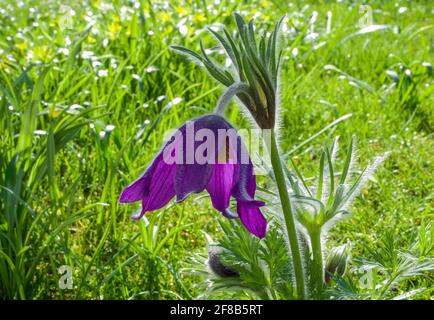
(64, 51)
(312, 36)
(136, 77)
(176, 101)
(402, 10)
(313, 17)
(110, 128)
(161, 98)
(151, 69)
(74, 109)
(87, 54)
(183, 30)
(102, 73)
(96, 64)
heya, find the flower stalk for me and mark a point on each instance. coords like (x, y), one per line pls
(254, 80)
(288, 215)
(317, 265)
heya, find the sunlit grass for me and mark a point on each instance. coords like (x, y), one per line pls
(88, 90)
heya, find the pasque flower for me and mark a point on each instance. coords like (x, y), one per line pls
(253, 78)
(204, 154)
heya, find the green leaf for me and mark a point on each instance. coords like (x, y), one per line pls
(236, 52)
(348, 160)
(300, 178)
(188, 52)
(29, 120)
(330, 176)
(217, 72)
(321, 177)
(228, 48)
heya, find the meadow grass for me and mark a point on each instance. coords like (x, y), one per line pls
(88, 90)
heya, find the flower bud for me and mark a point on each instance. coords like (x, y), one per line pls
(217, 266)
(336, 262)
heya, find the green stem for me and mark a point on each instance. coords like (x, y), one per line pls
(288, 215)
(317, 268)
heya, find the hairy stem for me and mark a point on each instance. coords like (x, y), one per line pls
(288, 215)
(232, 90)
(317, 267)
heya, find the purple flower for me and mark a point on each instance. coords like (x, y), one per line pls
(204, 154)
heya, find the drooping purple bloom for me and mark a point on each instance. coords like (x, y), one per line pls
(204, 154)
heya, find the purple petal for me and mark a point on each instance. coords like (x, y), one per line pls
(245, 188)
(194, 177)
(229, 214)
(220, 185)
(252, 218)
(137, 190)
(191, 178)
(161, 188)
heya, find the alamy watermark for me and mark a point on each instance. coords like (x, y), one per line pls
(220, 146)
(366, 18)
(65, 280)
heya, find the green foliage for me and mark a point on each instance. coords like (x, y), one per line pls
(388, 272)
(262, 266)
(317, 207)
(333, 192)
(82, 114)
(253, 63)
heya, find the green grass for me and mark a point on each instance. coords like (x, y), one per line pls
(63, 166)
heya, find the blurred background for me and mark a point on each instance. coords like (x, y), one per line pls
(87, 90)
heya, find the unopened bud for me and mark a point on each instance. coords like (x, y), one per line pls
(217, 266)
(336, 262)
